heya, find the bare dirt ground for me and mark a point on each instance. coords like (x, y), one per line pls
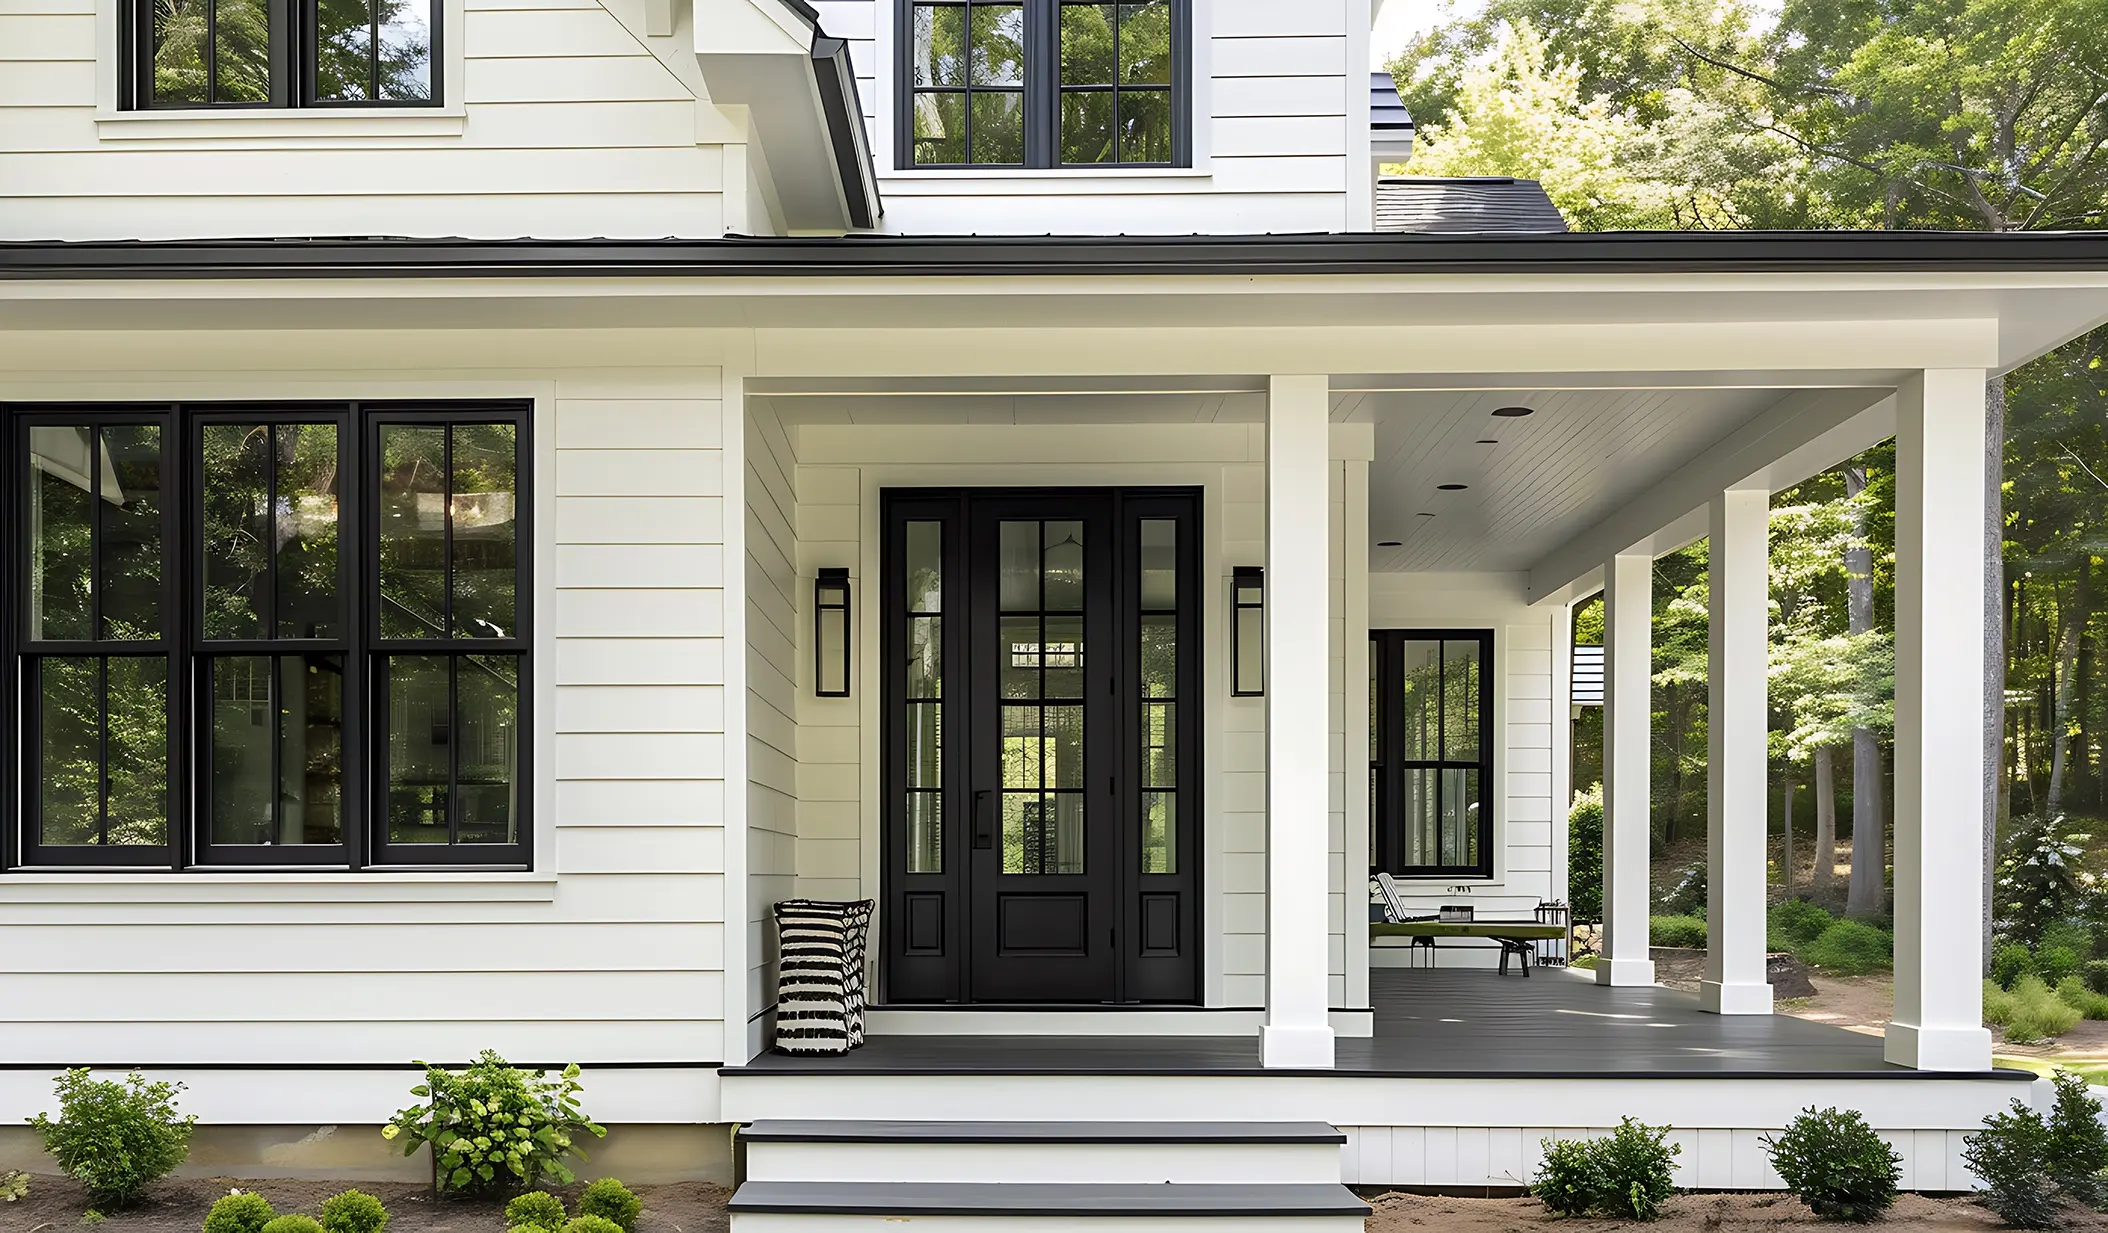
(55, 1204)
(1696, 1213)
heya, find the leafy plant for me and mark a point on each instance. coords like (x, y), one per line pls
(1793, 924)
(1688, 896)
(353, 1211)
(2055, 963)
(1584, 855)
(2011, 961)
(239, 1212)
(1836, 1164)
(610, 1198)
(493, 1127)
(2073, 993)
(2029, 1012)
(115, 1138)
(591, 1224)
(13, 1185)
(2077, 1145)
(2039, 878)
(2097, 975)
(1684, 931)
(1851, 948)
(293, 1224)
(91, 1217)
(1626, 1174)
(2010, 1156)
(537, 1209)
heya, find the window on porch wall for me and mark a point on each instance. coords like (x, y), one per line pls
(1431, 752)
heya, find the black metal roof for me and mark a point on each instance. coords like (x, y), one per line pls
(1639, 252)
(1464, 204)
(1387, 111)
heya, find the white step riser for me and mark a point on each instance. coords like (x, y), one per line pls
(1043, 1162)
(771, 1222)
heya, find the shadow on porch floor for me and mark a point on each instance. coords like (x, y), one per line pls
(1462, 1024)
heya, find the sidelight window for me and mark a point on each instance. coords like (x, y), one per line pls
(1431, 752)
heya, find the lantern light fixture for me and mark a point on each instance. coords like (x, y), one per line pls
(1248, 631)
(830, 634)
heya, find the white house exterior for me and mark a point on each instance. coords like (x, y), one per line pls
(476, 452)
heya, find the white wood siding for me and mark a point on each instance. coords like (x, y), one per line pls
(567, 125)
(830, 730)
(773, 690)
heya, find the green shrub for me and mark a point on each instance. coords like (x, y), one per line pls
(2097, 975)
(115, 1138)
(591, 1224)
(1837, 1165)
(537, 1209)
(1851, 948)
(1624, 1175)
(1685, 931)
(613, 1200)
(493, 1128)
(2055, 963)
(353, 1211)
(2077, 1147)
(1793, 924)
(2038, 880)
(1688, 896)
(1584, 856)
(2011, 961)
(2010, 1156)
(2030, 1013)
(2069, 934)
(239, 1213)
(2073, 993)
(13, 1185)
(293, 1224)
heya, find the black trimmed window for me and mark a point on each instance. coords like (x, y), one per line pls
(281, 53)
(1431, 773)
(1044, 83)
(283, 635)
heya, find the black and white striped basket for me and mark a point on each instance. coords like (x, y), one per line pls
(820, 985)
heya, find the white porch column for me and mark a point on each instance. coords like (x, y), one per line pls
(1735, 852)
(1939, 709)
(1628, 712)
(1298, 1029)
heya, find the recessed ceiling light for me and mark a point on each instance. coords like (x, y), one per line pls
(1423, 514)
(1488, 441)
(1514, 413)
(1451, 487)
(1390, 543)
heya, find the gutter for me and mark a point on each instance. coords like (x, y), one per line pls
(1662, 253)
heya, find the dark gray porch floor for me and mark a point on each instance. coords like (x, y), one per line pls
(1432, 1024)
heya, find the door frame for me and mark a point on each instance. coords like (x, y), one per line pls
(910, 975)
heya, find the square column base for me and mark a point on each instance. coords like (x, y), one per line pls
(1936, 1048)
(1729, 998)
(1625, 973)
(1295, 1048)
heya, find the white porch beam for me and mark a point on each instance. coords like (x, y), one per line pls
(1735, 853)
(1938, 1021)
(1798, 436)
(1298, 1031)
(1628, 713)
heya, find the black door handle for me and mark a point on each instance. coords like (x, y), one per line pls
(983, 820)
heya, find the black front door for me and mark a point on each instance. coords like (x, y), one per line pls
(1042, 832)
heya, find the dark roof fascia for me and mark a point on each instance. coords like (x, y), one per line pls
(844, 112)
(1663, 253)
(803, 12)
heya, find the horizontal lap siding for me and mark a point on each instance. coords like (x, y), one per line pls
(773, 690)
(830, 731)
(573, 129)
(621, 961)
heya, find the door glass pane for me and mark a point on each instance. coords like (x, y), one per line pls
(925, 745)
(1421, 717)
(1159, 656)
(1023, 749)
(925, 678)
(925, 832)
(136, 704)
(486, 752)
(1020, 656)
(480, 506)
(69, 767)
(310, 602)
(1159, 565)
(1063, 555)
(1160, 832)
(1062, 655)
(1160, 745)
(129, 553)
(925, 567)
(1460, 701)
(413, 482)
(65, 463)
(1062, 762)
(1018, 567)
(235, 473)
(414, 698)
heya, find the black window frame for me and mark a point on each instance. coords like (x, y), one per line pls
(1388, 763)
(190, 655)
(1042, 90)
(293, 25)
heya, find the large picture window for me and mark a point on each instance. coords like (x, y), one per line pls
(271, 636)
(1043, 83)
(1431, 752)
(280, 53)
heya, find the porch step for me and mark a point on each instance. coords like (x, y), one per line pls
(972, 1207)
(1103, 1153)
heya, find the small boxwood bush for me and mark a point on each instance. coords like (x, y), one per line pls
(115, 1138)
(610, 1199)
(1625, 1175)
(1851, 948)
(1684, 931)
(591, 1224)
(2010, 1156)
(353, 1211)
(2028, 1012)
(239, 1212)
(1793, 924)
(537, 1209)
(293, 1224)
(1837, 1165)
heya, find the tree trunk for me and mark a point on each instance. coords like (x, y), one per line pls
(2074, 622)
(1825, 823)
(1672, 828)
(1864, 896)
(1995, 638)
(1786, 857)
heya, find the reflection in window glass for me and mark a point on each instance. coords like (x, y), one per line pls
(485, 547)
(966, 69)
(65, 467)
(277, 770)
(1116, 78)
(373, 50)
(102, 750)
(269, 526)
(413, 556)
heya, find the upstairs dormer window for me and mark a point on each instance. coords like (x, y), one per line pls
(1043, 84)
(190, 54)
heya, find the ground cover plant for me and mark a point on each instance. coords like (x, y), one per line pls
(1835, 1163)
(1682, 931)
(494, 1128)
(115, 1138)
(1624, 1175)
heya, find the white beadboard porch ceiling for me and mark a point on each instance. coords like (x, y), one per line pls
(1583, 452)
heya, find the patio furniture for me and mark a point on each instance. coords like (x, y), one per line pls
(1517, 939)
(820, 979)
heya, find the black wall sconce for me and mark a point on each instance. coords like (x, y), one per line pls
(830, 634)
(1247, 631)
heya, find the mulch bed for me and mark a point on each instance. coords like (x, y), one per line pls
(179, 1206)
